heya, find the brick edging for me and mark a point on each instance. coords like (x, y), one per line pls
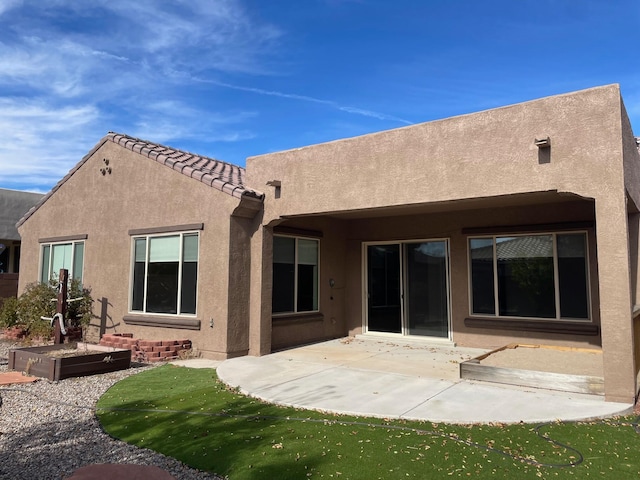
(147, 351)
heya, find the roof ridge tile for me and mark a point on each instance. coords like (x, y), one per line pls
(224, 176)
(208, 172)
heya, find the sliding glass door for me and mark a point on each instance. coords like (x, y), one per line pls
(384, 311)
(407, 288)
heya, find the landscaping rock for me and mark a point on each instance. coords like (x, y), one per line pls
(49, 429)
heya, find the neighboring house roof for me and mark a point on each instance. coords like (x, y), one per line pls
(526, 246)
(223, 176)
(13, 205)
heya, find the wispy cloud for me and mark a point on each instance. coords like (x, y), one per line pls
(162, 70)
(66, 83)
(168, 120)
(8, 5)
(36, 146)
(306, 98)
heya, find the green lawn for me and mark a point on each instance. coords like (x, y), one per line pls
(190, 415)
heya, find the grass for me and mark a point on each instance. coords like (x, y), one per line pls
(190, 415)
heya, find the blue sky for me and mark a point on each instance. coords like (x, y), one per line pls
(235, 78)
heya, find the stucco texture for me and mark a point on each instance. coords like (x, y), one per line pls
(438, 179)
(138, 193)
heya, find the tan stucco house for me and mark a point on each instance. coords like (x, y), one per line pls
(518, 224)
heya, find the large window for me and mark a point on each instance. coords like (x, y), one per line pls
(56, 256)
(534, 276)
(165, 274)
(295, 275)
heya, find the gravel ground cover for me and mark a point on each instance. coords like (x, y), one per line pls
(48, 429)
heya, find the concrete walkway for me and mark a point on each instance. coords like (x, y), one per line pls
(393, 379)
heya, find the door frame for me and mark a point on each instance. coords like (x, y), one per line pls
(403, 284)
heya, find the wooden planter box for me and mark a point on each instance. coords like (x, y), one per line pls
(35, 361)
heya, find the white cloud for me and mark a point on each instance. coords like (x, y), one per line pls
(166, 131)
(220, 34)
(71, 71)
(6, 5)
(306, 98)
(119, 45)
(36, 147)
(370, 113)
(168, 120)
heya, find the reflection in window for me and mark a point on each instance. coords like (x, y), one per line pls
(482, 285)
(295, 275)
(165, 272)
(56, 256)
(534, 276)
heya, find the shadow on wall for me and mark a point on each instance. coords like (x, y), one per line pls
(103, 322)
(544, 155)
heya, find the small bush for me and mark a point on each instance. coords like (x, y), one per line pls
(8, 313)
(38, 300)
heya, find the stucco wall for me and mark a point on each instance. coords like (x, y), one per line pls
(631, 161)
(139, 193)
(488, 156)
(489, 153)
(331, 322)
(341, 253)
(449, 226)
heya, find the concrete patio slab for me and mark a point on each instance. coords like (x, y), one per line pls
(253, 371)
(381, 378)
(384, 355)
(353, 391)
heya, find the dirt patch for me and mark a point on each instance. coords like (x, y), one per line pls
(69, 352)
(542, 359)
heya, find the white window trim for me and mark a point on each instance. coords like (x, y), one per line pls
(558, 316)
(147, 237)
(73, 244)
(295, 277)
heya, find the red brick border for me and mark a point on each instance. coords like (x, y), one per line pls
(147, 351)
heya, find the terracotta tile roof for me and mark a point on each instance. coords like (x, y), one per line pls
(223, 176)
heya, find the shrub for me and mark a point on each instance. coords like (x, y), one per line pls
(8, 313)
(80, 311)
(38, 300)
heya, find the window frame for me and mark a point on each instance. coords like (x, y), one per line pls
(295, 310)
(160, 233)
(72, 271)
(556, 283)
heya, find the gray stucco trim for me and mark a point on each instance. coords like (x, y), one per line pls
(166, 322)
(67, 238)
(167, 229)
